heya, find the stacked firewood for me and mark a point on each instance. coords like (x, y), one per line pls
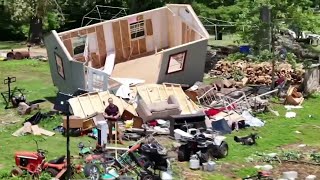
(257, 73)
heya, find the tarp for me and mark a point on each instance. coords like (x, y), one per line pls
(221, 126)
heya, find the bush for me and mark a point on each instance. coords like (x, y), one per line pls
(236, 56)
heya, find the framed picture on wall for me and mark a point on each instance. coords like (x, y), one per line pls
(176, 62)
(59, 64)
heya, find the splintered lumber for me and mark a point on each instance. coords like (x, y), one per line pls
(32, 129)
(257, 73)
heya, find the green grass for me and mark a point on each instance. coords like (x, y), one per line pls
(34, 76)
(227, 39)
(10, 45)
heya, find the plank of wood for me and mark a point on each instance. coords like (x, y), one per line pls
(35, 130)
(134, 47)
(117, 41)
(83, 32)
(96, 102)
(140, 17)
(91, 30)
(142, 45)
(193, 35)
(45, 132)
(183, 33)
(18, 132)
(74, 34)
(125, 35)
(86, 105)
(95, 61)
(149, 27)
(66, 36)
(101, 44)
(76, 107)
(68, 44)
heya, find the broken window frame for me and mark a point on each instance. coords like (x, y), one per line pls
(184, 53)
(62, 74)
(137, 30)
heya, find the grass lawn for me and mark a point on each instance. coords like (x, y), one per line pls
(10, 45)
(34, 76)
(227, 39)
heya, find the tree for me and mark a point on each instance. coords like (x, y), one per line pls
(34, 12)
(284, 14)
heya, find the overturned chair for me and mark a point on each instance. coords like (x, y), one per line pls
(158, 110)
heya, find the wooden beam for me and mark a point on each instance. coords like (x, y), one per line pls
(117, 41)
(101, 45)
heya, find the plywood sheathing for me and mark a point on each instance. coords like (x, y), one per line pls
(140, 17)
(149, 28)
(101, 45)
(87, 104)
(117, 41)
(125, 35)
(95, 60)
(134, 47)
(68, 44)
(153, 93)
(142, 46)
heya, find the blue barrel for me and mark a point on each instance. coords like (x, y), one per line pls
(245, 49)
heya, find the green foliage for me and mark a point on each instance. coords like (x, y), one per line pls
(315, 157)
(45, 176)
(291, 155)
(236, 56)
(265, 55)
(292, 59)
(237, 74)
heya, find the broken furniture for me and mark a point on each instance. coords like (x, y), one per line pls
(153, 93)
(158, 110)
(236, 100)
(294, 97)
(86, 105)
(197, 90)
(75, 122)
(9, 96)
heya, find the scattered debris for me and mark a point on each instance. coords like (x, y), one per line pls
(28, 128)
(291, 114)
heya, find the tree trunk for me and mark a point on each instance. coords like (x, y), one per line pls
(36, 30)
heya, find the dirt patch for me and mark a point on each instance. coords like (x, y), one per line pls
(303, 169)
(299, 147)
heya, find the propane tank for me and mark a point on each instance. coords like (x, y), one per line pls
(194, 162)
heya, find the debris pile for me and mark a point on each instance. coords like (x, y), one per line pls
(257, 73)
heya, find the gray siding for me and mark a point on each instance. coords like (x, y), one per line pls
(73, 71)
(193, 67)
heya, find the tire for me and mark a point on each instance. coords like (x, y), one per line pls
(91, 171)
(16, 172)
(53, 172)
(219, 151)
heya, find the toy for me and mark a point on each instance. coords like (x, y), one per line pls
(35, 162)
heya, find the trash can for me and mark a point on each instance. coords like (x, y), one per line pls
(245, 49)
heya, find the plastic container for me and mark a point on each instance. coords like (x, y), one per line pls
(245, 49)
(205, 166)
(290, 175)
(211, 166)
(194, 162)
(166, 176)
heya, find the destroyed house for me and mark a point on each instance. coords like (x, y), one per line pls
(167, 44)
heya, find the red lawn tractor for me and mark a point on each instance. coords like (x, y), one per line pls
(35, 162)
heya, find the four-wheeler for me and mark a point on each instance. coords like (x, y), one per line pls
(205, 144)
(35, 163)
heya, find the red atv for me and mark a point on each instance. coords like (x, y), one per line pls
(35, 162)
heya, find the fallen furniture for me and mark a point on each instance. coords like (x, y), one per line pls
(158, 110)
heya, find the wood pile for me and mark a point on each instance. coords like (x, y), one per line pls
(257, 73)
